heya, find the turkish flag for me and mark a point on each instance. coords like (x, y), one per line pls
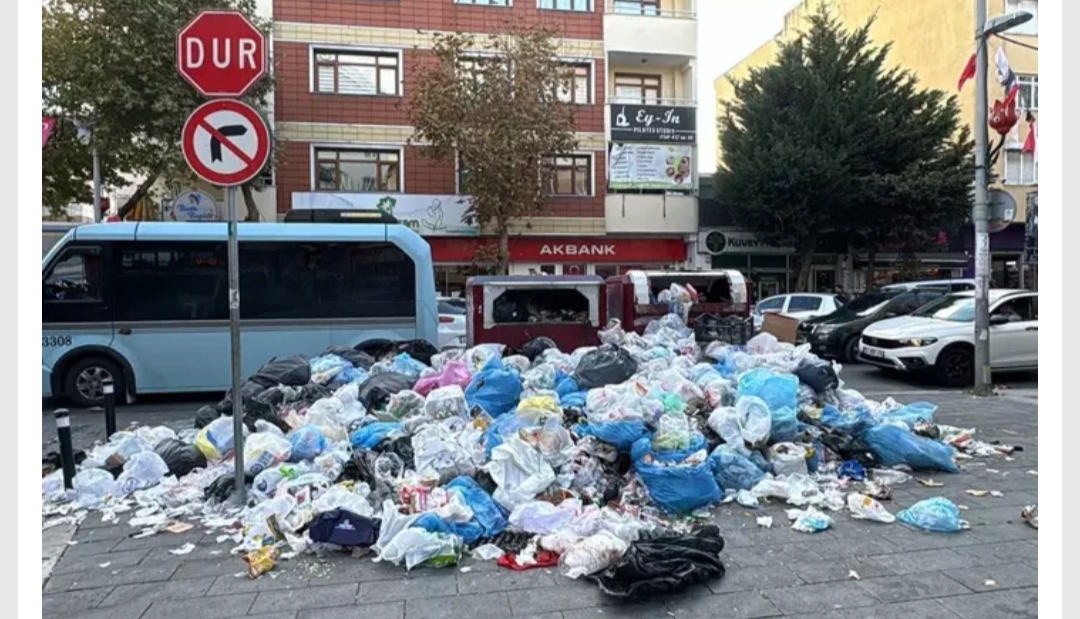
(968, 73)
(47, 125)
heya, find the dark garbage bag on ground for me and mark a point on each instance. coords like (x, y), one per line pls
(205, 415)
(400, 446)
(607, 365)
(375, 392)
(293, 371)
(180, 457)
(818, 376)
(536, 346)
(344, 528)
(358, 358)
(665, 562)
(249, 390)
(376, 348)
(421, 350)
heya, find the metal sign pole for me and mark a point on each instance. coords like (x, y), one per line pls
(234, 340)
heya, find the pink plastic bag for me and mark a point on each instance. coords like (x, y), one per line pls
(455, 373)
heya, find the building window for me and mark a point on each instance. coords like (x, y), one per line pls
(1030, 27)
(637, 88)
(1029, 92)
(357, 73)
(580, 6)
(576, 87)
(486, 2)
(265, 178)
(1020, 168)
(637, 7)
(571, 175)
(358, 170)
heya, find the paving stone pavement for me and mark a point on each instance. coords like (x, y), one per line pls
(987, 572)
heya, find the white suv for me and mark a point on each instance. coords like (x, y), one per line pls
(796, 305)
(939, 337)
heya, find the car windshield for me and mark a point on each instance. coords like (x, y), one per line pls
(953, 307)
(868, 303)
(451, 309)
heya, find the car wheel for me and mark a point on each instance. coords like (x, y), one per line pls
(85, 379)
(955, 367)
(850, 350)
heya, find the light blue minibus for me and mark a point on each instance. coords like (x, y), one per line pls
(146, 303)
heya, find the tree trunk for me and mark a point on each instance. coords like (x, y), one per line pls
(139, 194)
(871, 258)
(249, 202)
(502, 263)
(806, 262)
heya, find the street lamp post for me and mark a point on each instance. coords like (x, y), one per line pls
(981, 213)
(86, 132)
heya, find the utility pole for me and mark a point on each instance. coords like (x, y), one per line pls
(981, 213)
(97, 181)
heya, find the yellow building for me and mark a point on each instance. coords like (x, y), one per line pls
(933, 39)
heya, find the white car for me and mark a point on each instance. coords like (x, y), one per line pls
(939, 338)
(451, 324)
(796, 305)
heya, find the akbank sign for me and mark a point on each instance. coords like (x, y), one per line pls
(732, 241)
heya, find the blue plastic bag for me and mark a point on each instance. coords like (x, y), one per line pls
(912, 413)
(404, 364)
(372, 434)
(307, 441)
(852, 423)
(496, 389)
(851, 469)
(469, 531)
(733, 470)
(778, 390)
(894, 445)
(676, 488)
(785, 425)
(350, 375)
(620, 434)
(501, 428)
(327, 367)
(486, 512)
(570, 396)
(936, 514)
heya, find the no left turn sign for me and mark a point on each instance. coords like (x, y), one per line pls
(226, 142)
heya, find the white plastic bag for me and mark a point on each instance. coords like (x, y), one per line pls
(444, 402)
(143, 470)
(755, 420)
(542, 518)
(865, 508)
(593, 554)
(326, 414)
(263, 450)
(340, 497)
(415, 546)
(92, 486)
(788, 459)
(520, 472)
(809, 520)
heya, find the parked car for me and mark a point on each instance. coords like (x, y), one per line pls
(837, 334)
(455, 301)
(939, 338)
(452, 325)
(952, 285)
(800, 306)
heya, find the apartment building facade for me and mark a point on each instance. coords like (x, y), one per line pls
(624, 199)
(934, 40)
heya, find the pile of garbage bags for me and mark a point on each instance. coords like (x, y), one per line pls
(596, 460)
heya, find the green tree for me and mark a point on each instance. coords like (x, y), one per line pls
(828, 141)
(494, 104)
(111, 64)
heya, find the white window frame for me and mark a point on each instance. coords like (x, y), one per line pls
(502, 4)
(1031, 28)
(313, 77)
(590, 6)
(1015, 147)
(1032, 80)
(592, 174)
(580, 62)
(314, 164)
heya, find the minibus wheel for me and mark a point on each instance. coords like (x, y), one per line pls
(85, 378)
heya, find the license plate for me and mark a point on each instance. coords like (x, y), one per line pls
(874, 352)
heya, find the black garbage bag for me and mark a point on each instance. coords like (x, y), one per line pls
(180, 457)
(205, 415)
(356, 357)
(375, 392)
(665, 562)
(222, 488)
(421, 350)
(293, 371)
(249, 390)
(818, 376)
(607, 365)
(536, 346)
(850, 448)
(342, 527)
(401, 447)
(376, 348)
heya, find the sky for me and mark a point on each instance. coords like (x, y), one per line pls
(726, 35)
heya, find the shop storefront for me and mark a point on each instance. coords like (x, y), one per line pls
(1006, 257)
(455, 257)
(767, 266)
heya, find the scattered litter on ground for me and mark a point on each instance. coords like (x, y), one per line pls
(990, 583)
(1030, 514)
(606, 462)
(105, 564)
(853, 575)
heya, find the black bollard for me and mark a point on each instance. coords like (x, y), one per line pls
(67, 454)
(110, 406)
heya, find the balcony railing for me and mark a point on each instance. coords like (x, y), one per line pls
(664, 101)
(682, 9)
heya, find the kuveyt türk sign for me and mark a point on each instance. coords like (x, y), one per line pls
(653, 123)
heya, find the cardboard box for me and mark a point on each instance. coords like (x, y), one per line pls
(784, 328)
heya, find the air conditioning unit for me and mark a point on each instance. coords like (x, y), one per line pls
(711, 242)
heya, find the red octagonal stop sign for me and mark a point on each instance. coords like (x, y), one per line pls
(221, 53)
